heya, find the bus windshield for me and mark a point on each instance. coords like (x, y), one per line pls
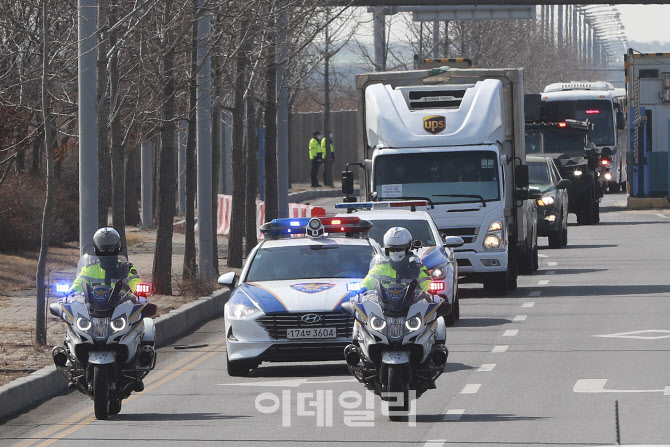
(598, 112)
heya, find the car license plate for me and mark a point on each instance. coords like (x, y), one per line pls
(327, 332)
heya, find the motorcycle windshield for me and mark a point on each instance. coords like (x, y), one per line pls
(396, 298)
(104, 298)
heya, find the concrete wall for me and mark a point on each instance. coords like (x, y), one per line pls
(343, 125)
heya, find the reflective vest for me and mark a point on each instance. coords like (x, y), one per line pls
(95, 275)
(385, 274)
(323, 147)
(314, 148)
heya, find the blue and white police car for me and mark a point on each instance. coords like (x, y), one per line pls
(435, 251)
(287, 304)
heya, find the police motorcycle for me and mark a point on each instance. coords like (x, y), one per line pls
(394, 349)
(109, 338)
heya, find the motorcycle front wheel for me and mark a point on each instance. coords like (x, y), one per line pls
(396, 384)
(101, 391)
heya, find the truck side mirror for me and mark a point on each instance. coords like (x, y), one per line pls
(522, 176)
(564, 183)
(347, 183)
(621, 120)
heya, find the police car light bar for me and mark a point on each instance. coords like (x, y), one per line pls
(286, 227)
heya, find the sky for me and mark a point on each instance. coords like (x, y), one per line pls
(646, 23)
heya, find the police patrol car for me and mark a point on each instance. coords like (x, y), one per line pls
(435, 252)
(287, 305)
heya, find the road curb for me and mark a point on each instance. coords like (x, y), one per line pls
(645, 203)
(47, 382)
(301, 196)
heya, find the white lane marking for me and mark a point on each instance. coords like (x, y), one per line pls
(487, 367)
(542, 256)
(598, 386)
(543, 282)
(663, 216)
(520, 318)
(511, 333)
(535, 293)
(453, 415)
(638, 334)
(501, 348)
(528, 304)
(333, 381)
(471, 388)
(550, 272)
(552, 263)
(435, 443)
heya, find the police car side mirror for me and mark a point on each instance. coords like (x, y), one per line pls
(227, 279)
(417, 244)
(453, 241)
(348, 308)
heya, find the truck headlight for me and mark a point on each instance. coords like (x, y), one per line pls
(240, 311)
(492, 242)
(496, 226)
(546, 200)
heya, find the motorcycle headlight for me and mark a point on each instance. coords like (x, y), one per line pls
(376, 323)
(83, 324)
(492, 242)
(119, 324)
(546, 200)
(438, 273)
(578, 173)
(413, 323)
(240, 311)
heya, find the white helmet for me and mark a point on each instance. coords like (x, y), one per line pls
(397, 242)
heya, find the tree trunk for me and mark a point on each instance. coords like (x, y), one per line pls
(104, 171)
(250, 229)
(239, 171)
(118, 152)
(216, 156)
(132, 184)
(188, 271)
(270, 118)
(327, 167)
(37, 151)
(40, 312)
(162, 274)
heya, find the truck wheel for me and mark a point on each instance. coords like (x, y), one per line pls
(596, 212)
(526, 262)
(556, 239)
(586, 211)
(564, 238)
(500, 283)
(536, 258)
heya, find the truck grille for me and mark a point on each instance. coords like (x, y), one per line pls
(468, 234)
(277, 324)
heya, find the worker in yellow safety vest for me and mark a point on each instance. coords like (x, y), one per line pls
(324, 144)
(316, 156)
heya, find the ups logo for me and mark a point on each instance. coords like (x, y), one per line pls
(434, 124)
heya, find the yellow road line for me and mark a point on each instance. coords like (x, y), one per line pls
(83, 418)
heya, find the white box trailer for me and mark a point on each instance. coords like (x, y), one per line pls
(456, 137)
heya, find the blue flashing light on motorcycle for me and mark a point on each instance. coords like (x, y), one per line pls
(62, 288)
(354, 286)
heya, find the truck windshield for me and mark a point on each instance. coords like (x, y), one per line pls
(599, 112)
(434, 174)
(564, 141)
(419, 229)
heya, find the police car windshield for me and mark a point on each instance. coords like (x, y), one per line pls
(419, 229)
(304, 262)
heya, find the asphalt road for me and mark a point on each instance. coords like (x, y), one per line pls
(542, 366)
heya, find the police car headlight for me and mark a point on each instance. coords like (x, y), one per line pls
(83, 324)
(376, 323)
(240, 311)
(413, 323)
(119, 324)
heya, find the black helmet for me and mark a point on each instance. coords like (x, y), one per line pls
(107, 242)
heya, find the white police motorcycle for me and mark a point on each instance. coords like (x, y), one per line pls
(109, 339)
(396, 345)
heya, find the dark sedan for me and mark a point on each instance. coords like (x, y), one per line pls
(552, 208)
